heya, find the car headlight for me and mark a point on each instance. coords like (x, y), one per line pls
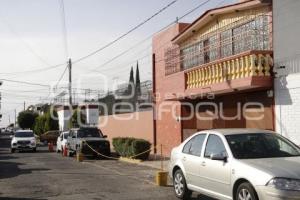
(285, 184)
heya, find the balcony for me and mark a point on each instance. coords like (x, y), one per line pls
(248, 70)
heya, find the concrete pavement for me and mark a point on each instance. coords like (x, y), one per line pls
(45, 175)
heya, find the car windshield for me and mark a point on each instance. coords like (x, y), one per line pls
(89, 132)
(66, 135)
(24, 134)
(261, 145)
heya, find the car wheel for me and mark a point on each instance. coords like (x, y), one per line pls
(180, 188)
(245, 191)
(12, 150)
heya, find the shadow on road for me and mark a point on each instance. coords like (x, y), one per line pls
(201, 197)
(12, 169)
(6, 157)
(17, 198)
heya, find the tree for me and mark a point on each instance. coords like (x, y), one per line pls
(131, 83)
(51, 122)
(137, 82)
(26, 119)
(75, 121)
(39, 126)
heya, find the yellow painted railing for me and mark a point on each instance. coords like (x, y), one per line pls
(246, 65)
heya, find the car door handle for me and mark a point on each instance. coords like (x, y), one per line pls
(203, 163)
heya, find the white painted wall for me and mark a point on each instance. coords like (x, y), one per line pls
(63, 119)
(286, 33)
(92, 116)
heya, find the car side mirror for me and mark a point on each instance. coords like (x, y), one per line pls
(219, 157)
(104, 136)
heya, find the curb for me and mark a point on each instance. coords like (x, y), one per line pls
(130, 160)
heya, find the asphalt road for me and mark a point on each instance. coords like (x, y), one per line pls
(43, 175)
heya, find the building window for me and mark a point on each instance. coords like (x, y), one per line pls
(192, 55)
(213, 47)
(226, 43)
(253, 35)
(244, 36)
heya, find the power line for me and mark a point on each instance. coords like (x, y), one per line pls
(61, 77)
(150, 36)
(24, 82)
(64, 27)
(125, 34)
(12, 30)
(36, 70)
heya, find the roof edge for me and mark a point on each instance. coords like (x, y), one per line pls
(219, 9)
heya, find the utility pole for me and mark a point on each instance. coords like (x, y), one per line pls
(24, 105)
(15, 117)
(70, 81)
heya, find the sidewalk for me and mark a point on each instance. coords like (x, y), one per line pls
(155, 162)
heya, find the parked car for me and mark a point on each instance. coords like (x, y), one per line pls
(84, 139)
(23, 140)
(62, 141)
(49, 137)
(237, 164)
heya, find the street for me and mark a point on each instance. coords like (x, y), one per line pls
(44, 175)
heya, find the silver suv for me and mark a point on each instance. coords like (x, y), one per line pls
(238, 164)
(23, 140)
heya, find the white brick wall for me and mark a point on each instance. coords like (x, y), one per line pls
(287, 53)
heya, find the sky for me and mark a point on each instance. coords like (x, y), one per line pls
(33, 37)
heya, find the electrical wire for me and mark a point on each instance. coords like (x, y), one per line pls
(24, 82)
(150, 36)
(125, 34)
(64, 27)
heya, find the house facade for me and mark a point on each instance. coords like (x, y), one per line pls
(287, 67)
(216, 72)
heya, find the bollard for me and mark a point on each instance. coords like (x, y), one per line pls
(161, 177)
(79, 155)
(50, 146)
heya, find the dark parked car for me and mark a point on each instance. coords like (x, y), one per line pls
(49, 137)
(88, 138)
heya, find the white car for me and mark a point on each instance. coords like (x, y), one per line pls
(23, 140)
(62, 141)
(237, 164)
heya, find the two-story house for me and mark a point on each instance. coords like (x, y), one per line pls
(214, 73)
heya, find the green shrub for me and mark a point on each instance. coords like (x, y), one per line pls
(132, 147)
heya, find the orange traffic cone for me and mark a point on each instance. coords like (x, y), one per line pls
(50, 146)
(65, 151)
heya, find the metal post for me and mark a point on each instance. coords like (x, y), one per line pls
(70, 81)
